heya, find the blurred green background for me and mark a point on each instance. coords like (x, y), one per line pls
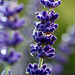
(66, 18)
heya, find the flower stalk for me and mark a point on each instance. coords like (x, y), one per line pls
(43, 36)
(40, 62)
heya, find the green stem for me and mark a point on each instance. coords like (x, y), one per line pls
(6, 68)
(40, 62)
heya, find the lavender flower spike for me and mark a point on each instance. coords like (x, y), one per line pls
(9, 22)
(42, 35)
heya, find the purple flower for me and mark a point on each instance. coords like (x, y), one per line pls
(42, 52)
(1, 2)
(15, 40)
(5, 39)
(16, 24)
(11, 12)
(50, 3)
(47, 28)
(9, 19)
(11, 57)
(9, 15)
(42, 35)
(7, 11)
(33, 69)
(46, 25)
(40, 38)
(45, 17)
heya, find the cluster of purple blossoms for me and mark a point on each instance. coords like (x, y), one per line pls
(10, 58)
(45, 40)
(6, 40)
(65, 49)
(50, 3)
(42, 35)
(44, 29)
(46, 25)
(33, 69)
(9, 34)
(9, 16)
(46, 52)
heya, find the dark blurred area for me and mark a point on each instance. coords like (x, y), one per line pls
(66, 18)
